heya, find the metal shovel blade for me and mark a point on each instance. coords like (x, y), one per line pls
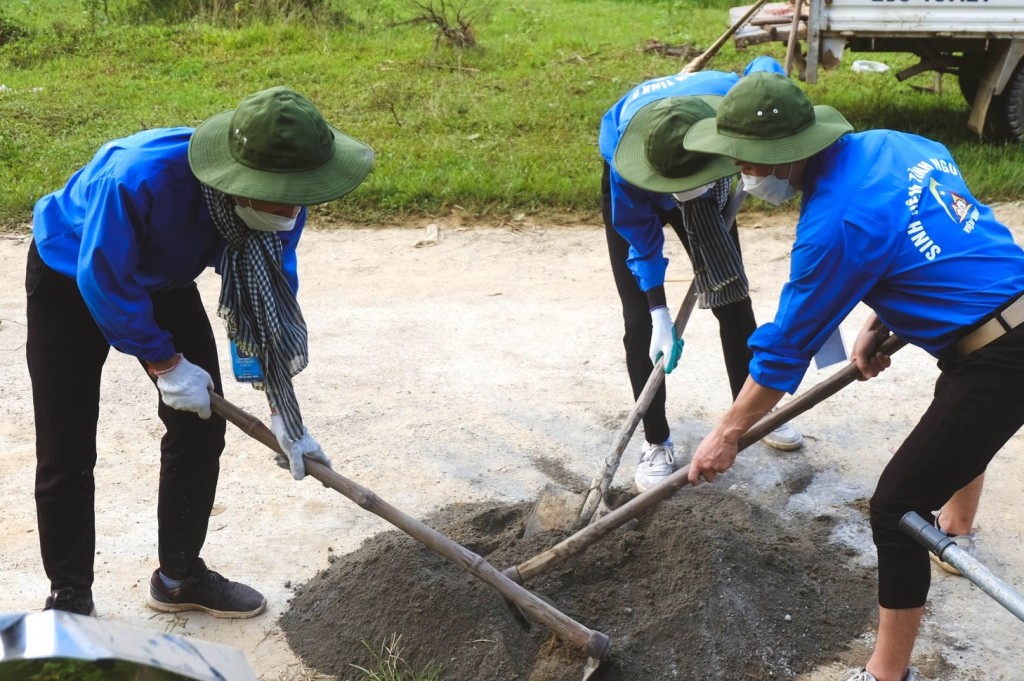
(557, 509)
(592, 664)
(113, 649)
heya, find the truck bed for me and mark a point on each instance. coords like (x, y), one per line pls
(873, 19)
(925, 18)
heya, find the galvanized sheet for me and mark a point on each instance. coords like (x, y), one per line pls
(55, 634)
(963, 18)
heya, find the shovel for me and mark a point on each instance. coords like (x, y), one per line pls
(698, 63)
(594, 643)
(561, 509)
(667, 487)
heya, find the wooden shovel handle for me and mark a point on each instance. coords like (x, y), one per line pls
(794, 40)
(594, 643)
(667, 487)
(606, 472)
(698, 63)
(602, 481)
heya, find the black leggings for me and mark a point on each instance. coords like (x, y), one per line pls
(66, 352)
(735, 321)
(978, 406)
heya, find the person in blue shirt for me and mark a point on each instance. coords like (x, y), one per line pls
(637, 204)
(885, 218)
(113, 262)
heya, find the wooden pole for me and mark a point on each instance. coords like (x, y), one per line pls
(594, 643)
(667, 487)
(698, 63)
(793, 39)
(602, 481)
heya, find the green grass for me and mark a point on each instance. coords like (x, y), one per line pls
(389, 665)
(509, 126)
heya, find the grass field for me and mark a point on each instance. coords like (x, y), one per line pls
(506, 127)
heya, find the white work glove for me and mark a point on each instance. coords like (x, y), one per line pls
(185, 387)
(296, 449)
(664, 340)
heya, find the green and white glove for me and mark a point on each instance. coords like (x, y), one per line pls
(296, 449)
(664, 340)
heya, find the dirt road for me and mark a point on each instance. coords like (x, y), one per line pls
(477, 369)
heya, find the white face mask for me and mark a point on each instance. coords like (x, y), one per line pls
(683, 197)
(264, 222)
(770, 188)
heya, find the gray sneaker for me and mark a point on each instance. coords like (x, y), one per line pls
(68, 599)
(785, 438)
(966, 542)
(208, 591)
(864, 675)
(657, 462)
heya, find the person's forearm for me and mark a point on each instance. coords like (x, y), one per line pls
(872, 323)
(753, 402)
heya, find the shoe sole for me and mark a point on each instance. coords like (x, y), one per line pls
(161, 606)
(640, 489)
(784, 446)
(643, 488)
(92, 613)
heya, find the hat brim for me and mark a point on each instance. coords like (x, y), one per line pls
(829, 125)
(630, 161)
(211, 161)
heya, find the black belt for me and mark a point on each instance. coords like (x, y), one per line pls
(998, 326)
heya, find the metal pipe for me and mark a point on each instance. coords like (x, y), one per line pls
(936, 541)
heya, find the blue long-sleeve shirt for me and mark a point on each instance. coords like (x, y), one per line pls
(634, 213)
(132, 222)
(886, 218)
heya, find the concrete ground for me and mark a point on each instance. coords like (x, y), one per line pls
(462, 369)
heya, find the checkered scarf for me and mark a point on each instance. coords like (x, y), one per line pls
(717, 266)
(259, 308)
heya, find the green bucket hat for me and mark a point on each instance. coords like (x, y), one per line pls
(651, 154)
(277, 147)
(766, 118)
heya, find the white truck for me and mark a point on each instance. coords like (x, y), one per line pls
(981, 42)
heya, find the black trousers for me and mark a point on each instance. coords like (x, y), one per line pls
(978, 406)
(735, 321)
(66, 352)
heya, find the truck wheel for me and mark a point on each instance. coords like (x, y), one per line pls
(968, 88)
(1012, 101)
(970, 71)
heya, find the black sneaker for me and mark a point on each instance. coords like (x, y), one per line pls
(208, 591)
(69, 599)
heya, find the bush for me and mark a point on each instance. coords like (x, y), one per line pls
(11, 30)
(226, 12)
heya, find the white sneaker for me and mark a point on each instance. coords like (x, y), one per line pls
(966, 542)
(657, 462)
(864, 675)
(785, 438)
